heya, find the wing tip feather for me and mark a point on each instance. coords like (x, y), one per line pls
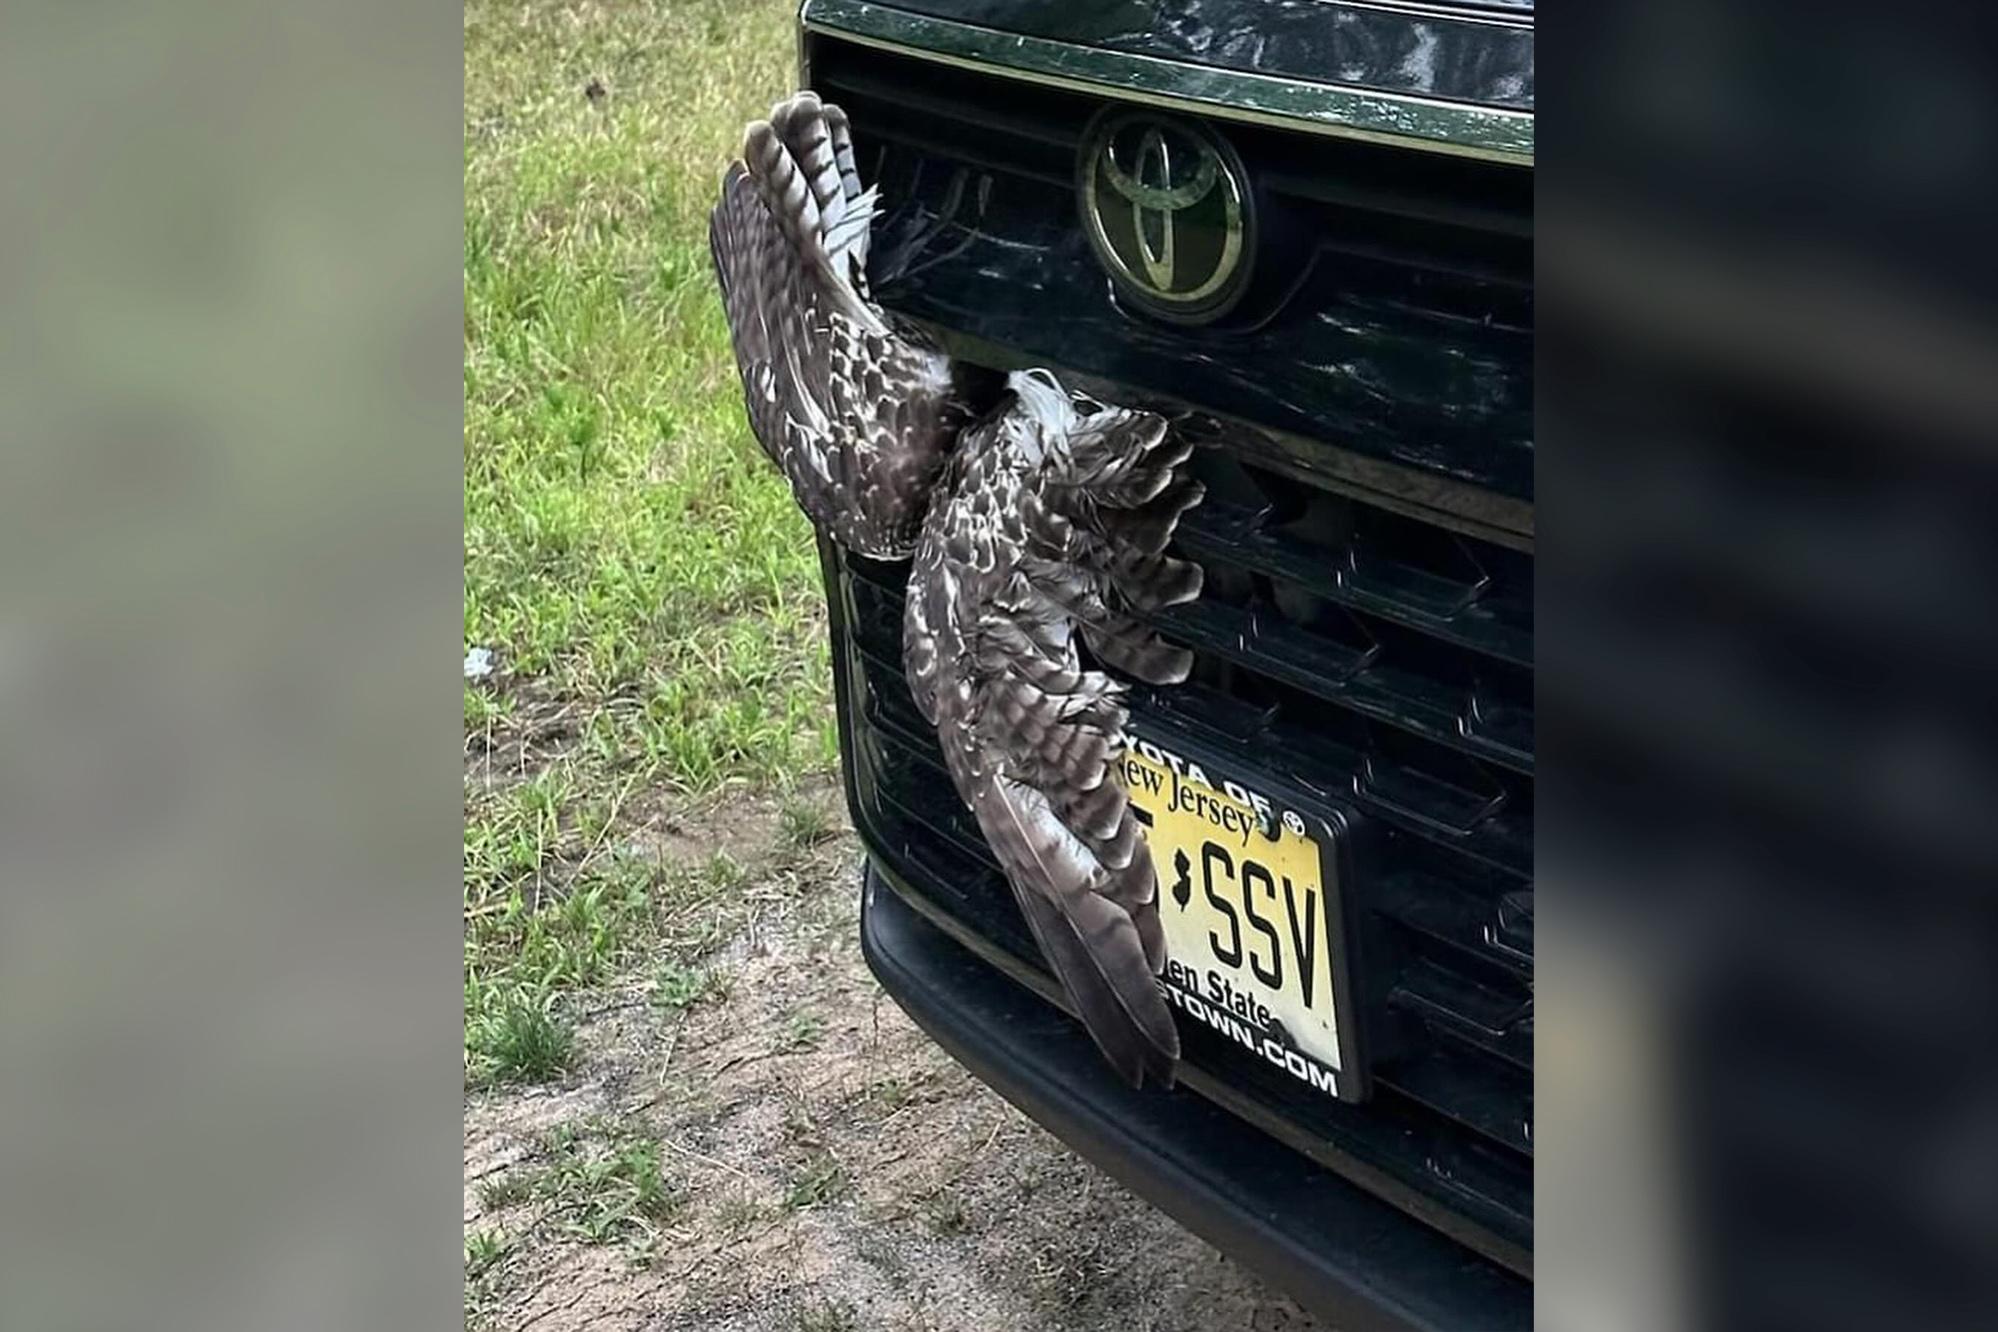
(1144, 1047)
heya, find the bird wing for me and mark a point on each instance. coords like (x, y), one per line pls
(1049, 528)
(854, 411)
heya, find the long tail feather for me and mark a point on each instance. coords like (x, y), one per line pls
(1098, 953)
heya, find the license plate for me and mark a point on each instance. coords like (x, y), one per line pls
(1249, 897)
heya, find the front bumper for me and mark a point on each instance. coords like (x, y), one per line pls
(1345, 1255)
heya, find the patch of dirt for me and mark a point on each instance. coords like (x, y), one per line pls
(742, 827)
(839, 1172)
(508, 749)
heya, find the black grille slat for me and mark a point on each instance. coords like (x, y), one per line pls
(936, 94)
(1496, 1023)
(956, 829)
(1470, 614)
(1497, 1108)
(1439, 915)
(1472, 820)
(1473, 813)
(1364, 195)
(1360, 678)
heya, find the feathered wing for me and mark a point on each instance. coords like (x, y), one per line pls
(1050, 526)
(855, 411)
(1048, 531)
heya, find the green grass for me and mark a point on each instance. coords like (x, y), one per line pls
(723, 872)
(626, 544)
(734, 1216)
(600, 1182)
(485, 1251)
(527, 946)
(648, 589)
(503, 1191)
(828, 1316)
(802, 1031)
(596, 1181)
(483, 1248)
(516, 1036)
(678, 987)
(802, 825)
(822, 1179)
(539, 928)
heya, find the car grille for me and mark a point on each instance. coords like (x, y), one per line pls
(1373, 647)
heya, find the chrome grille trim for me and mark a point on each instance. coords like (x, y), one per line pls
(1421, 123)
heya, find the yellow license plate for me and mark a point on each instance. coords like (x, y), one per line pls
(1252, 928)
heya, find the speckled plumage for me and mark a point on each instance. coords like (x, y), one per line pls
(1048, 531)
(1037, 527)
(855, 409)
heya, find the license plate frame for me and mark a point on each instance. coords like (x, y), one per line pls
(1203, 796)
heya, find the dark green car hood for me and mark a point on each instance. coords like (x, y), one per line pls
(1472, 51)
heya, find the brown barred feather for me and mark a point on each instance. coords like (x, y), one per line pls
(855, 410)
(1017, 564)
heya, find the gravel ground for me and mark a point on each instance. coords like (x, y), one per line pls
(821, 1166)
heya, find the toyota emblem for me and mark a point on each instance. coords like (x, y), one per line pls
(1166, 209)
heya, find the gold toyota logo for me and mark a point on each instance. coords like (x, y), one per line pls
(1166, 212)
